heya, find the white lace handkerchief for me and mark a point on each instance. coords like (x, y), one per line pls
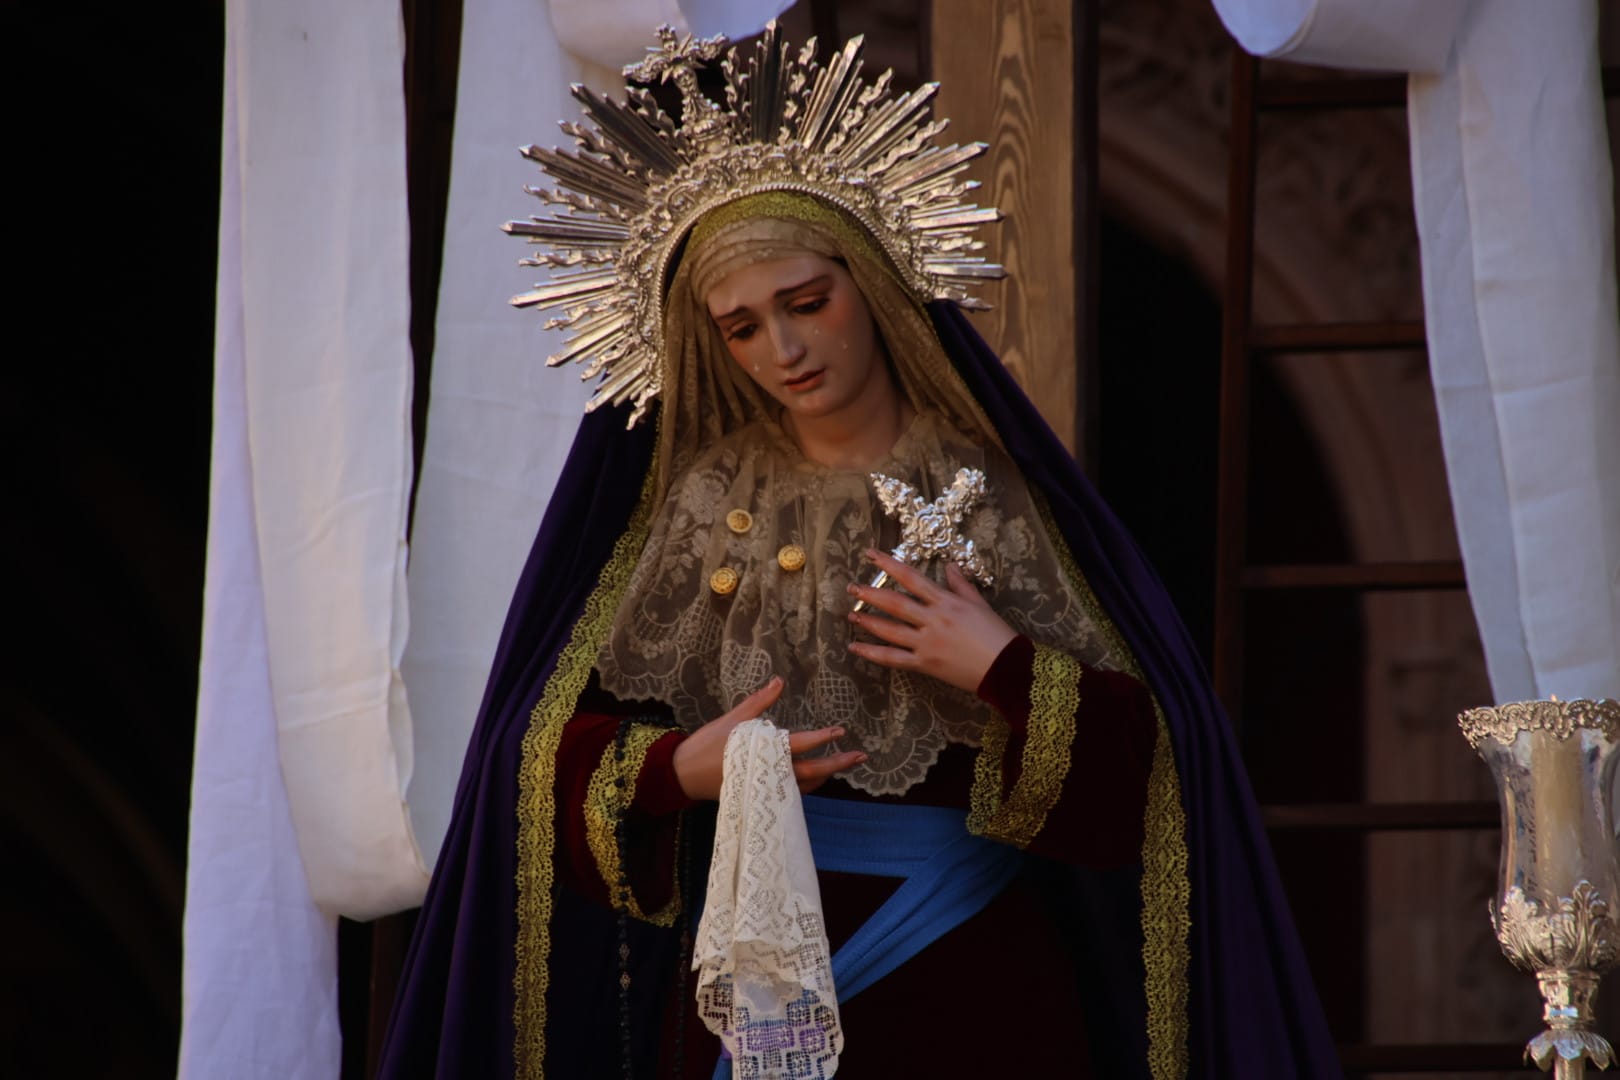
(765, 981)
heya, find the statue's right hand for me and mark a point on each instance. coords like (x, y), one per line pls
(699, 761)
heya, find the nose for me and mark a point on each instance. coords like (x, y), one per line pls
(787, 346)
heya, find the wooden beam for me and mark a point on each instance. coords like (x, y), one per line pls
(1008, 78)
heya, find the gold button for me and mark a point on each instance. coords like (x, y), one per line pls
(790, 558)
(723, 581)
(739, 521)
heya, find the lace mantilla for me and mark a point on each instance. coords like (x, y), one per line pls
(678, 640)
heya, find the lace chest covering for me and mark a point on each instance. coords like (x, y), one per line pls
(679, 640)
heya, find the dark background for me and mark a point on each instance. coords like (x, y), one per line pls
(112, 175)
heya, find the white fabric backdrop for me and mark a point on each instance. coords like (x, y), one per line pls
(326, 355)
(499, 422)
(260, 957)
(1376, 35)
(304, 607)
(1515, 214)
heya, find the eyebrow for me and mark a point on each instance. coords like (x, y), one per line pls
(819, 279)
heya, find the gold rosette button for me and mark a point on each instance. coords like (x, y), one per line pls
(723, 581)
(739, 521)
(790, 558)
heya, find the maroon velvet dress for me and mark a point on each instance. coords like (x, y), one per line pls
(998, 995)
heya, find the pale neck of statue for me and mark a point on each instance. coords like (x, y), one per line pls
(857, 436)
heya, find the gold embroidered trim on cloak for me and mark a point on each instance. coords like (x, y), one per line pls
(1054, 697)
(984, 797)
(537, 790)
(604, 802)
(1166, 916)
(1166, 889)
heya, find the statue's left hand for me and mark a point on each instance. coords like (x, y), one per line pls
(948, 632)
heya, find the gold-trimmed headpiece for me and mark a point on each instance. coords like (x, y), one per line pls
(638, 182)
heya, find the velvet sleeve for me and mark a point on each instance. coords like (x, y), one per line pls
(601, 779)
(1064, 767)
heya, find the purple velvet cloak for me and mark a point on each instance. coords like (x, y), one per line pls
(1253, 1012)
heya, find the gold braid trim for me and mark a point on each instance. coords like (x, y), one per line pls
(1166, 917)
(984, 797)
(605, 801)
(537, 789)
(1166, 888)
(790, 206)
(1054, 697)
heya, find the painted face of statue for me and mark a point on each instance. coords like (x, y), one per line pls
(801, 329)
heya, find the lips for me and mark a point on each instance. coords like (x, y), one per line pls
(805, 381)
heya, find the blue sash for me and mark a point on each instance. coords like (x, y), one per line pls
(950, 875)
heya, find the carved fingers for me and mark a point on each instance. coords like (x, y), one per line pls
(951, 633)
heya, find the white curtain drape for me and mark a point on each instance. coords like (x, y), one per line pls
(303, 736)
(499, 422)
(260, 957)
(1375, 35)
(1515, 206)
(1515, 211)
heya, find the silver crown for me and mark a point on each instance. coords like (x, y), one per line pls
(638, 182)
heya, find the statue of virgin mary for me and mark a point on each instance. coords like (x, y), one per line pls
(1034, 848)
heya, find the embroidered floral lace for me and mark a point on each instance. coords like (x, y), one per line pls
(677, 641)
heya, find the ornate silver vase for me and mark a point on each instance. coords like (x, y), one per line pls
(1554, 765)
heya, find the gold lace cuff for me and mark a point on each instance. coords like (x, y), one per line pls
(1054, 697)
(605, 801)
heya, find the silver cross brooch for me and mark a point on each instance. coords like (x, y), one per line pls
(933, 530)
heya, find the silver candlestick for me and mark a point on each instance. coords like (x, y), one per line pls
(1554, 763)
